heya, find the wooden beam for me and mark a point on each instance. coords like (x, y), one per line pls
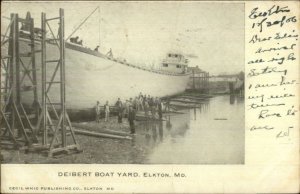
(96, 134)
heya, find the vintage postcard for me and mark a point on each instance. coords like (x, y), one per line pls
(149, 96)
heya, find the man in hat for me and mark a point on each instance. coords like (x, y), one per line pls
(96, 49)
(119, 106)
(106, 110)
(98, 111)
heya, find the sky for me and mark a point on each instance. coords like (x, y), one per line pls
(210, 35)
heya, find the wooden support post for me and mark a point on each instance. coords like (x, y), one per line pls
(43, 63)
(33, 65)
(62, 75)
(193, 79)
(12, 53)
(207, 81)
(202, 80)
(17, 63)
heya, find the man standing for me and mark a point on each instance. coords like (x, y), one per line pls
(152, 105)
(131, 118)
(126, 108)
(98, 111)
(106, 110)
(119, 106)
(141, 106)
(136, 104)
(167, 106)
(97, 48)
(146, 109)
(130, 102)
(109, 53)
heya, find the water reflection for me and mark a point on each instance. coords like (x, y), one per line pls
(196, 136)
(235, 98)
(232, 98)
(168, 123)
(161, 130)
(154, 135)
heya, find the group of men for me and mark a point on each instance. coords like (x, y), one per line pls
(149, 105)
(98, 111)
(76, 40)
(120, 109)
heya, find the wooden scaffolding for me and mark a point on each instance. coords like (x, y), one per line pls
(16, 66)
(54, 124)
(62, 128)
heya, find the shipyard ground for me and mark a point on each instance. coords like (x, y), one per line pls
(95, 149)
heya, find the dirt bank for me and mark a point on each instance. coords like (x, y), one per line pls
(95, 150)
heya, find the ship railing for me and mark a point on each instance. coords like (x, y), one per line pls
(83, 49)
(96, 53)
(143, 68)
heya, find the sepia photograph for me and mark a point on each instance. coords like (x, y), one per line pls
(122, 83)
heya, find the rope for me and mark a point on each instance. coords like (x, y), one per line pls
(81, 24)
(99, 25)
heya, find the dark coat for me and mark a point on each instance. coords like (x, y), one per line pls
(131, 115)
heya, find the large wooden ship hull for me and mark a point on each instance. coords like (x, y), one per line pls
(92, 76)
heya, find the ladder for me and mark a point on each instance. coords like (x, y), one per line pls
(12, 112)
(60, 126)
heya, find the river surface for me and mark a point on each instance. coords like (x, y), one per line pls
(214, 133)
(210, 134)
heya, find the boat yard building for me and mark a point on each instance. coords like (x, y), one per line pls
(199, 79)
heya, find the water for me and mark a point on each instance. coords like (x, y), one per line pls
(211, 134)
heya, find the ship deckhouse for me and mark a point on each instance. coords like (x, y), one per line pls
(175, 62)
